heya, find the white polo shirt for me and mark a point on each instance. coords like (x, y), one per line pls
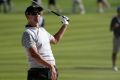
(40, 38)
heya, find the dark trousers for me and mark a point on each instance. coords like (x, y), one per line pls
(39, 74)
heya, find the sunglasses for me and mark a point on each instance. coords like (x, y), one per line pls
(35, 13)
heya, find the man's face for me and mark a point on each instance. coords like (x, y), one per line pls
(33, 17)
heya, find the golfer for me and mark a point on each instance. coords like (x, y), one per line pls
(115, 27)
(36, 41)
(78, 4)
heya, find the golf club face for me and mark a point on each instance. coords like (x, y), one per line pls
(47, 9)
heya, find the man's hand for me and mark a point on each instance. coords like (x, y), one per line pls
(64, 20)
(53, 73)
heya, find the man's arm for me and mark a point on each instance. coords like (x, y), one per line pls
(59, 34)
(61, 31)
(114, 24)
(33, 52)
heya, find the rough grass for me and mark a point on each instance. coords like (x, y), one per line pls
(84, 53)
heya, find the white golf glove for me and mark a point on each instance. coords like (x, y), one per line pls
(64, 19)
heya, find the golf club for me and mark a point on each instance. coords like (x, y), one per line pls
(46, 9)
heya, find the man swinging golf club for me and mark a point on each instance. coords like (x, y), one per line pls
(36, 41)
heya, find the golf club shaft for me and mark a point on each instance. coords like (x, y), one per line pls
(47, 9)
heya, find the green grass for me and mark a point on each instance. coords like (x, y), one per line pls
(84, 53)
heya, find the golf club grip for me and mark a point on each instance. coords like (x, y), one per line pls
(56, 13)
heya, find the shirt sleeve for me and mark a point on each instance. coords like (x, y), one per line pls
(27, 40)
(113, 22)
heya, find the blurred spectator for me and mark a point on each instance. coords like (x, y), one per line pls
(102, 4)
(6, 4)
(9, 3)
(37, 1)
(3, 4)
(115, 28)
(52, 5)
(78, 4)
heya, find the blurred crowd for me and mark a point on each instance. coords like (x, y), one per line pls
(5, 6)
(77, 5)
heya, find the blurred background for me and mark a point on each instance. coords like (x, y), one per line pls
(85, 51)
